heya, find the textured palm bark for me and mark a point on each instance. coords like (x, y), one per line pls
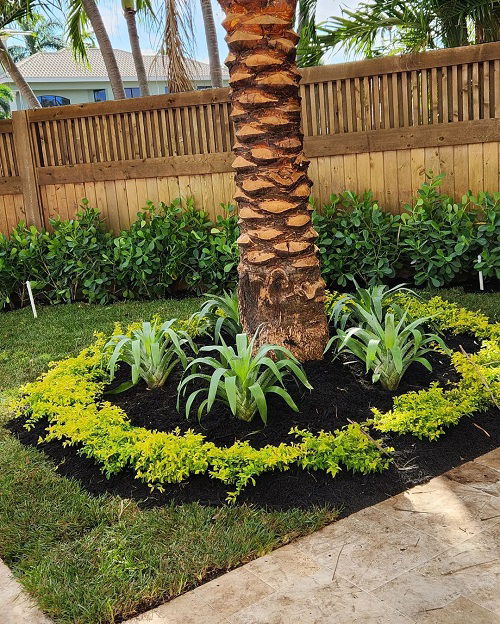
(108, 54)
(281, 292)
(212, 44)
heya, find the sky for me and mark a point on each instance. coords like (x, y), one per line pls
(115, 24)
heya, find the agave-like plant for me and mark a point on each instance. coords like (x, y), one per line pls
(241, 379)
(152, 350)
(223, 314)
(388, 345)
(375, 299)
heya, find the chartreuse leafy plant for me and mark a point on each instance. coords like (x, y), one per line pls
(427, 413)
(241, 379)
(152, 351)
(388, 342)
(69, 396)
(222, 313)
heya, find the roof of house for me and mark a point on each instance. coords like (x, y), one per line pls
(61, 65)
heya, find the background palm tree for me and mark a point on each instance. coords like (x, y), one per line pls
(309, 52)
(6, 98)
(176, 46)
(11, 11)
(82, 12)
(130, 8)
(40, 34)
(212, 43)
(403, 26)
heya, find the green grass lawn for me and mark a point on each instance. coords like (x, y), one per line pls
(90, 560)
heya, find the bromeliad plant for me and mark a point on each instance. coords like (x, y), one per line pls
(152, 350)
(376, 300)
(241, 379)
(389, 344)
(223, 315)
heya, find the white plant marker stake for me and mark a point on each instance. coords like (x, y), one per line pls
(481, 282)
(32, 301)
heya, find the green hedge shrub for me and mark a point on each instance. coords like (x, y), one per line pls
(173, 248)
(167, 249)
(357, 240)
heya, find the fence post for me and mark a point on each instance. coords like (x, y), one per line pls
(27, 168)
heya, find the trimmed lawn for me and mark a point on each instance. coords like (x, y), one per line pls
(90, 560)
(96, 560)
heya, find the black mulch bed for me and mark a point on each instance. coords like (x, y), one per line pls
(342, 393)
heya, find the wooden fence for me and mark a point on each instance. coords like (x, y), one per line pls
(375, 124)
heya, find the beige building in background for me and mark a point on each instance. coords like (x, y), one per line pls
(57, 79)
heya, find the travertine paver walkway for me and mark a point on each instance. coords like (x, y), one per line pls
(427, 556)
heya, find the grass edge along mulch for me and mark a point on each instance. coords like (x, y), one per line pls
(87, 559)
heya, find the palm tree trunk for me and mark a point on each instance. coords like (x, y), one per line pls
(281, 292)
(212, 44)
(129, 13)
(107, 51)
(11, 68)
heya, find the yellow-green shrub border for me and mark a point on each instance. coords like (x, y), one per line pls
(69, 395)
(426, 413)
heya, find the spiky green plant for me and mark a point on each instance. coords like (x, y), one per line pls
(241, 379)
(152, 351)
(223, 314)
(389, 345)
(375, 299)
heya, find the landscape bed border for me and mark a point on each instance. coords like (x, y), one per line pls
(69, 396)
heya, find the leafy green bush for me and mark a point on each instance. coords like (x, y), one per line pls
(357, 240)
(168, 248)
(152, 351)
(488, 233)
(241, 379)
(211, 266)
(438, 236)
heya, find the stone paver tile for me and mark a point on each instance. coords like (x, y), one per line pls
(471, 569)
(476, 476)
(283, 566)
(319, 600)
(491, 459)
(233, 591)
(371, 547)
(460, 611)
(445, 509)
(186, 609)
(15, 605)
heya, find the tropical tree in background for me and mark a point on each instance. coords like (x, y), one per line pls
(130, 8)
(82, 12)
(212, 43)
(39, 34)
(309, 50)
(6, 98)
(175, 50)
(281, 293)
(12, 11)
(384, 27)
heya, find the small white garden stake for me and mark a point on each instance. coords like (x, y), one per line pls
(32, 301)
(481, 283)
